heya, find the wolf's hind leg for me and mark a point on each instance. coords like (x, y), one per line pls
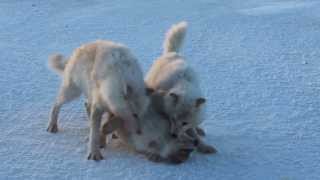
(87, 106)
(67, 93)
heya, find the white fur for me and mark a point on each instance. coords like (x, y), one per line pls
(174, 37)
(176, 80)
(170, 73)
(56, 63)
(111, 79)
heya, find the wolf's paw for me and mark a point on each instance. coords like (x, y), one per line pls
(52, 128)
(206, 149)
(155, 158)
(200, 131)
(95, 156)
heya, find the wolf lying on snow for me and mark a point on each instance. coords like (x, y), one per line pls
(111, 79)
(179, 94)
(155, 141)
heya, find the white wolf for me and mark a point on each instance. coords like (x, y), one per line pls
(111, 79)
(179, 94)
(155, 141)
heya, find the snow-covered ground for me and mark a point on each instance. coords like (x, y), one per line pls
(259, 61)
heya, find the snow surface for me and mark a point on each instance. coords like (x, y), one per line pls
(259, 61)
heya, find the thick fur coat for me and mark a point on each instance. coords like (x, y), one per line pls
(178, 86)
(111, 79)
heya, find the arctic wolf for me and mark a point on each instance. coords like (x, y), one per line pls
(177, 85)
(111, 79)
(155, 141)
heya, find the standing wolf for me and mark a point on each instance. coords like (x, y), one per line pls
(178, 93)
(111, 79)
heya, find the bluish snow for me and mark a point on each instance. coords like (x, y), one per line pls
(259, 62)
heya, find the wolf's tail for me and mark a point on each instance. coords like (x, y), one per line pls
(57, 63)
(174, 37)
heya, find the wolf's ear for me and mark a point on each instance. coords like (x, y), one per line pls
(175, 97)
(149, 91)
(200, 101)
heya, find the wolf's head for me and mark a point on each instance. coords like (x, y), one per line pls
(184, 112)
(157, 139)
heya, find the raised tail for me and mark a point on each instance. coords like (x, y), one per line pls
(174, 37)
(56, 63)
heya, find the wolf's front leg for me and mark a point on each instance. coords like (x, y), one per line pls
(94, 143)
(204, 148)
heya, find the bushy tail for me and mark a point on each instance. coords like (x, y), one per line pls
(174, 37)
(57, 63)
